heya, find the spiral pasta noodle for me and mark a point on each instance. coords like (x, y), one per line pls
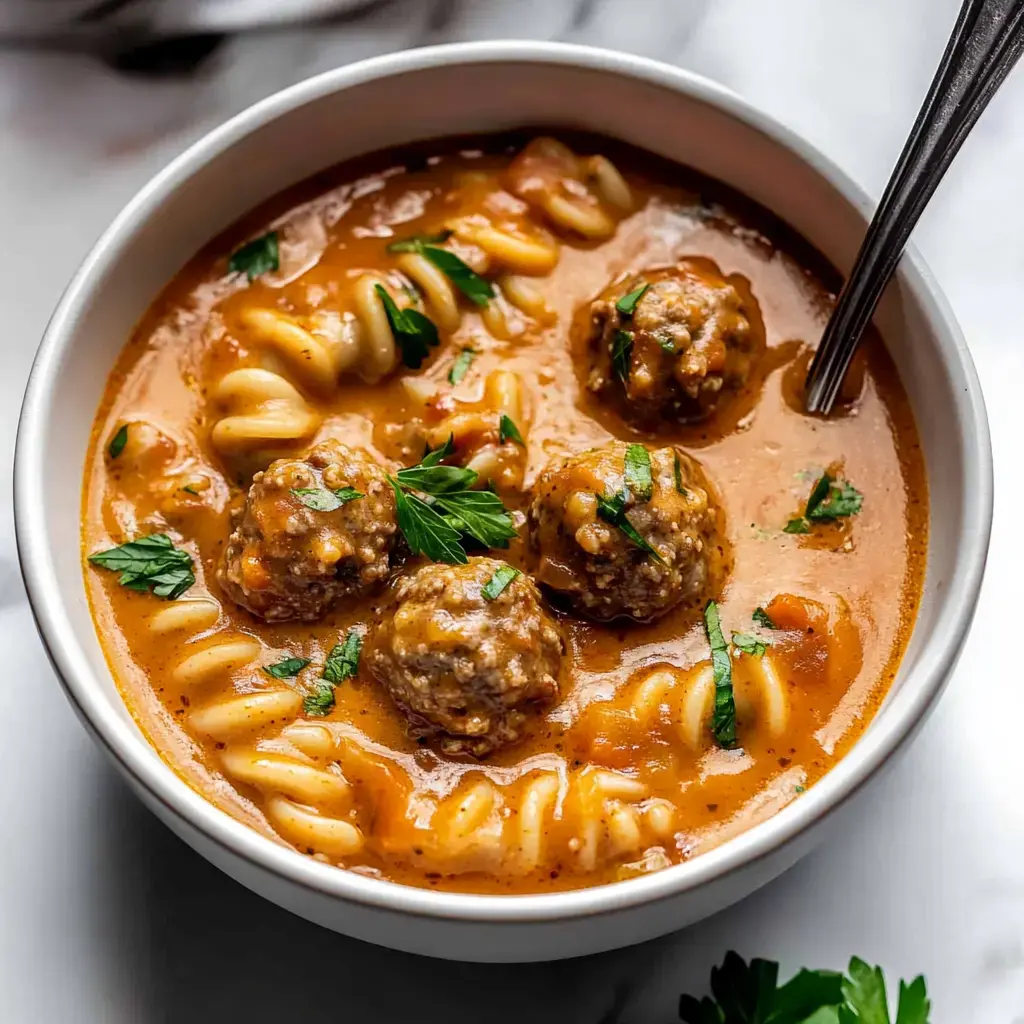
(685, 697)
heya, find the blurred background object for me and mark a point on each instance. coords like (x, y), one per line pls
(86, 22)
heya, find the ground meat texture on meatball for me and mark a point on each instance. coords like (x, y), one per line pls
(595, 565)
(674, 351)
(468, 663)
(313, 530)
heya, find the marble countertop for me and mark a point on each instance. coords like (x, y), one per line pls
(106, 916)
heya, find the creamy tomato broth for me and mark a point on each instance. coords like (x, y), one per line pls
(704, 622)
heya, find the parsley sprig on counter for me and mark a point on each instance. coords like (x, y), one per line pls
(830, 499)
(461, 274)
(749, 993)
(150, 563)
(437, 524)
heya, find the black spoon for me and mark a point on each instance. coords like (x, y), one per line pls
(987, 40)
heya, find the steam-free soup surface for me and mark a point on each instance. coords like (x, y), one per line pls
(620, 768)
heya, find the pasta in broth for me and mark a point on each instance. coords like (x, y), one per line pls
(466, 529)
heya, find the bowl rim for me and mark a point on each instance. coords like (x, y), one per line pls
(133, 752)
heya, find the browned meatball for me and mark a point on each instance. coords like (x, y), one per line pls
(305, 539)
(466, 665)
(686, 342)
(585, 554)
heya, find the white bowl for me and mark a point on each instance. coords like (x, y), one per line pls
(426, 93)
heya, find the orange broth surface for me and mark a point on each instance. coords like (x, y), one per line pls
(607, 786)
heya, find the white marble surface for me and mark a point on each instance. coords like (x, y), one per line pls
(105, 916)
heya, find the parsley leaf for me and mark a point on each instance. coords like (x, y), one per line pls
(480, 514)
(426, 532)
(461, 365)
(151, 562)
(762, 618)
(627, 304)
(508, 431)
(677, 470)
(319, 499)
(118, 441)
(798, 525)
(416, 242)
(436, 479)
(256, 257)
(460, 273)
(320, 701)
(638, 472)
(914, 1006)
(431, 457)
(724, 720)
(287, 668)
(613, 511)
(842, 499)
(342, 663)
(414, 333)
(622, 353)
(502, 577)
(749, 644)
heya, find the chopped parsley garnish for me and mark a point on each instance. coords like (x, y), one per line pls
(627, 304)
(829, 500)
(479, 514)
(436, 479)
(427, 532)
(118, 441)
(342, 663)
(256, 257)
(762, 618)
(461, 365)
(502, 577)
(150, 563)
(749, 644)
(677, 471)
(745, 993)
(435, 527)
(320, 499)
(286, 669)
(508, 431)
(638, 472)
(414, 333)
(613, 511)
(667, 344)
(622, 353)
(463, 276)
(723, 723)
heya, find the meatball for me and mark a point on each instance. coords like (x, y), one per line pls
(584, 511)
(465, 663)
(313, 530)
(684, 342)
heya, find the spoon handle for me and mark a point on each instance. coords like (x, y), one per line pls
(986, 42)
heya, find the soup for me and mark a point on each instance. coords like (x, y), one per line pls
(455, 520)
